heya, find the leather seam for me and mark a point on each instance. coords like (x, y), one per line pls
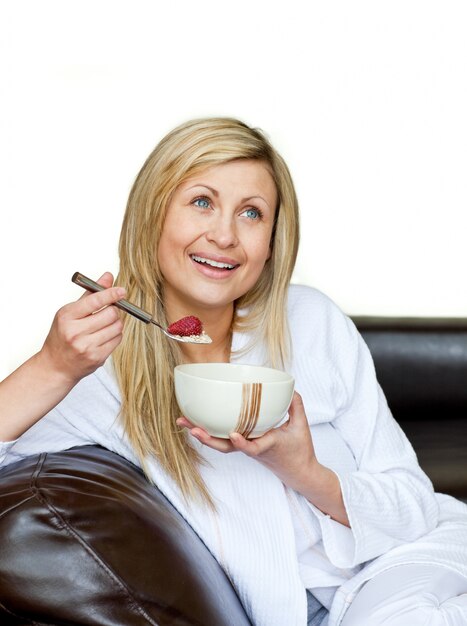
(38, 468)
(77, 537)
(32, 488)
(15, 506)
(29, 621)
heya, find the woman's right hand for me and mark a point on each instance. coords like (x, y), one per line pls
(84, 333)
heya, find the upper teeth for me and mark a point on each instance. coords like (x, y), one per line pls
(200, 259)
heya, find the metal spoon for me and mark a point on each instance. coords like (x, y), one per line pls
(132, 309)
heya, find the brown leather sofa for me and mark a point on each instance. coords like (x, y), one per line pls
(421, 365)
(84, 539)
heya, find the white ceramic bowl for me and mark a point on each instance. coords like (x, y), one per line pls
(225, 397)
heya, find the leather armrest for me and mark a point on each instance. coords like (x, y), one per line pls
(85, 539)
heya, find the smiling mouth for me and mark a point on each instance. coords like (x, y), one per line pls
(211, 263)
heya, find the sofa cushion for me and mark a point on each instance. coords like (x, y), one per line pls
(441, 448)
(421, 365)
(87, 540)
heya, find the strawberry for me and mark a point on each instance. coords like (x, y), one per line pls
(186, 327)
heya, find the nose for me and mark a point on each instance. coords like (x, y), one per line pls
(222, 231)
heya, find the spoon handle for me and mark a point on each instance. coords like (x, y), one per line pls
(132, 309)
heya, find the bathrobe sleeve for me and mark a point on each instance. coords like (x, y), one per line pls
(5, 446)
(389, 500)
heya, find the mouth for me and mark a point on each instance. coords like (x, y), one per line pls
(214, 267)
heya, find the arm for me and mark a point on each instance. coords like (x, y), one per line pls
(81, 338)
(388, 499)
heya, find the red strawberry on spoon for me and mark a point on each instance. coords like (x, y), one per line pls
(186, 327)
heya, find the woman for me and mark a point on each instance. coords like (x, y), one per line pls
(329, 510)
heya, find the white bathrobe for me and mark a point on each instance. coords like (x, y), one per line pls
(271, 542)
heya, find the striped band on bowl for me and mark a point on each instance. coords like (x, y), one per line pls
(249, 411)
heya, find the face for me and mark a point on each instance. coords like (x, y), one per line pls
(216, 236)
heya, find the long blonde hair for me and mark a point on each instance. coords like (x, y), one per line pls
(145, 360)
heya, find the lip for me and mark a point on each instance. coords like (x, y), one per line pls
(214, 272)
(215, 257)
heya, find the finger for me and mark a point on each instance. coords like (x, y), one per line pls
(98, 321)
(102, 354)
(95, 301)
(107, 348)
(250, 447)
(185, 423)
(216, 443)
(109, 333)
(106, 280)
(88, 347)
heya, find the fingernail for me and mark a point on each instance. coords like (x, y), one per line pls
(121, 291)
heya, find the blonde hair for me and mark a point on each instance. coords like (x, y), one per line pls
(145, 360)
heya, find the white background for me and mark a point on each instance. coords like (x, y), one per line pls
(366, 100)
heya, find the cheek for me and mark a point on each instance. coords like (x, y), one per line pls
(167, 245)
(172, 237)
(162, 249)
(260, 248)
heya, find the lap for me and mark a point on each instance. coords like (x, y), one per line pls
(419, 595)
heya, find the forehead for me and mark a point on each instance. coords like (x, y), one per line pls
(244, 175)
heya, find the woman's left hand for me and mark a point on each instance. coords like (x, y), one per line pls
(287, 451)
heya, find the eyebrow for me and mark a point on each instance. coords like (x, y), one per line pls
(216, 193)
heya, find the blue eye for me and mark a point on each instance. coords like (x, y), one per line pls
(203, 203)
(253, 214)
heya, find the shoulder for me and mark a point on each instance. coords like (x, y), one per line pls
(319, 327)
(300, 296)
(312, 312)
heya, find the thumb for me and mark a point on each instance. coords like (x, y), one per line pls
(296, 409)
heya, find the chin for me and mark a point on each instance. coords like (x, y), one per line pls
(214, 303)
(208, 296)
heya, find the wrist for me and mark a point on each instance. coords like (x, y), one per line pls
(321, 487)
(48, 368)
(308, 480)
(314, 480)
(323, 490)
(28, 393)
